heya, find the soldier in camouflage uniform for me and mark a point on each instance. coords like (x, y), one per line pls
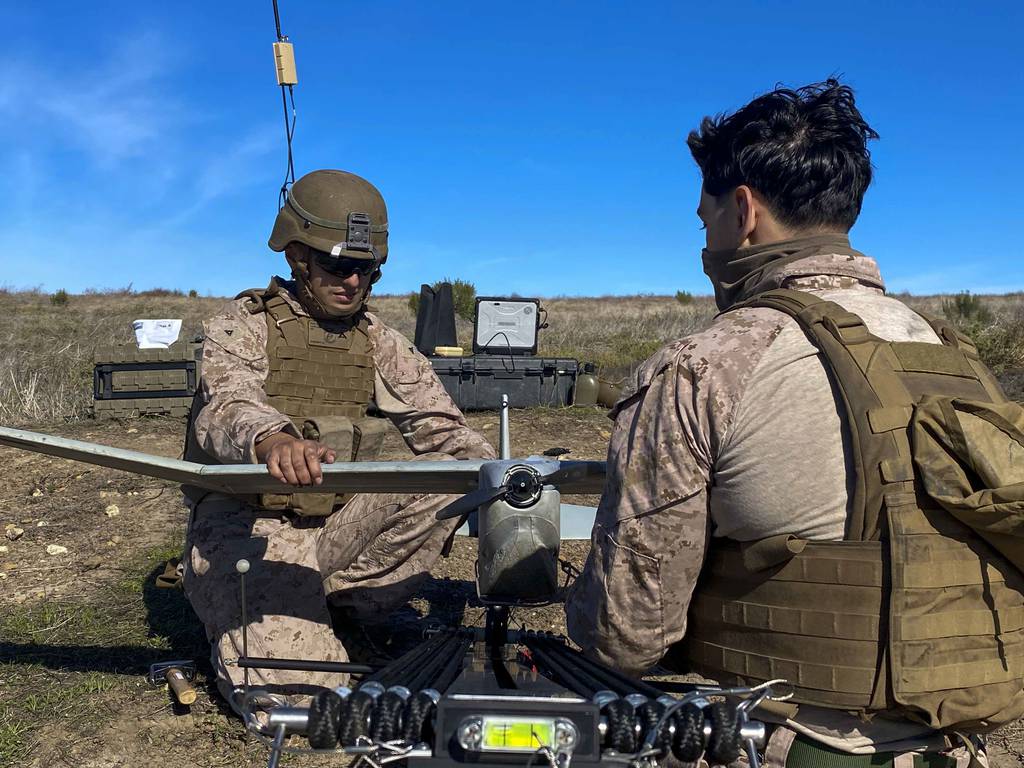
(734, 433)
(288, 374)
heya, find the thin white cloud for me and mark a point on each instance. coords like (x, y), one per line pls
(233, 168)
(113, 111)
(106, 170)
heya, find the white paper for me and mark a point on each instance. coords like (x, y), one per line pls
(156, 334)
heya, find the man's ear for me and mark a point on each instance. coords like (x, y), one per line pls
(296, 250)
(746, 213)
(297, 256)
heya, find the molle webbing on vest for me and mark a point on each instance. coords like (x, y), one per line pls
(316, 371)
(914, 614)
(766, 622)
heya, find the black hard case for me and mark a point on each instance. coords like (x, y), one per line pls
(477, 383)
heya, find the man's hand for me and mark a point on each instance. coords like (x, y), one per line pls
(294, 461)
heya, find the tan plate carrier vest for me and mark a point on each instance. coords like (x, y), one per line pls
(321, 377)
(914, 614)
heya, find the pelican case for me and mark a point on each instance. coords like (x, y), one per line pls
(128, 381)
(477, 383)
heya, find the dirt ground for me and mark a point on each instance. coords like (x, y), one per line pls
(81, 618)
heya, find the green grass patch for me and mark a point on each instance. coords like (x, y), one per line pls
(69, 658)
(14, 738)
(132, 616)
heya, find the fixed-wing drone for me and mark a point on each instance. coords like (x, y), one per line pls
(486, 696)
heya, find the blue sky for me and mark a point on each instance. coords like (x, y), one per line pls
(534, 147)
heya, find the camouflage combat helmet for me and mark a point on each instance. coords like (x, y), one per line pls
(336, 212)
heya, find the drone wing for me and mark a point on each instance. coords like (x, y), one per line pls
(341, 477)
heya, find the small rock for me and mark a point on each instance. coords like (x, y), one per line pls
(9, 566)
(132, 430)
(2, 549)
(37, 492)
(13, 532)
(112, 511)
(56, 549)
(42, 524)
(2, 575)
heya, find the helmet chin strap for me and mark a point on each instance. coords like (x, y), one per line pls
(313, 305)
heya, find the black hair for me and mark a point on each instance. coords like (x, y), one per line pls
(804, 151)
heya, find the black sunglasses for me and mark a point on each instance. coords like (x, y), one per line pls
(343, 266)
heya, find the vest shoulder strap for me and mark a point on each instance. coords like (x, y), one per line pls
(951, 337)
(256, 298)
(947, 334)
(848, 351)
(281, 316)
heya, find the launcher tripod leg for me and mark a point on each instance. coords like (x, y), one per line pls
(277, 746)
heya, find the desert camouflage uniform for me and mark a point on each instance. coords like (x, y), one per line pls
(366, 559)
(723, 435)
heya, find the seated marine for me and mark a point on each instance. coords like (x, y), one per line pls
(763, 517)
(288, 375)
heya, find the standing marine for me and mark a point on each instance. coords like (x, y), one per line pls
(288, 376)
(770, 509)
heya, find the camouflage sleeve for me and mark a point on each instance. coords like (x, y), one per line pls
(236, 414)
(407, 391)
(653, 525)
(647, 547)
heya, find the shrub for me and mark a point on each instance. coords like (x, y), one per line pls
(684, 297)
(463, 296)
(193, 293)
(59, 298)
(966, 309)
(1001, 343)
(158, 293)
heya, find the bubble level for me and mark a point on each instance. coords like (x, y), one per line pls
(526, 734)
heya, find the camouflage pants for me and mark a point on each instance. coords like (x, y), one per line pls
(368, 558)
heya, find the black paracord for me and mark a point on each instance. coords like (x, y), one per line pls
(621, 734)
(324, 719)
(386, 716)
(688, 742)
(418, 710)
(354, 718)
(649, 714)
(725, 743)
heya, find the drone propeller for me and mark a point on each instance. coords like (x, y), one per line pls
(464, 505)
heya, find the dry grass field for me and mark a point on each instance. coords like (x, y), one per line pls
(80, 615)
(47, 341)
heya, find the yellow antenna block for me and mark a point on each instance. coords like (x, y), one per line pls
(284, 60)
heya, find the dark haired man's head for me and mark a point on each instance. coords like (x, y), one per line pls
(790, 162)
